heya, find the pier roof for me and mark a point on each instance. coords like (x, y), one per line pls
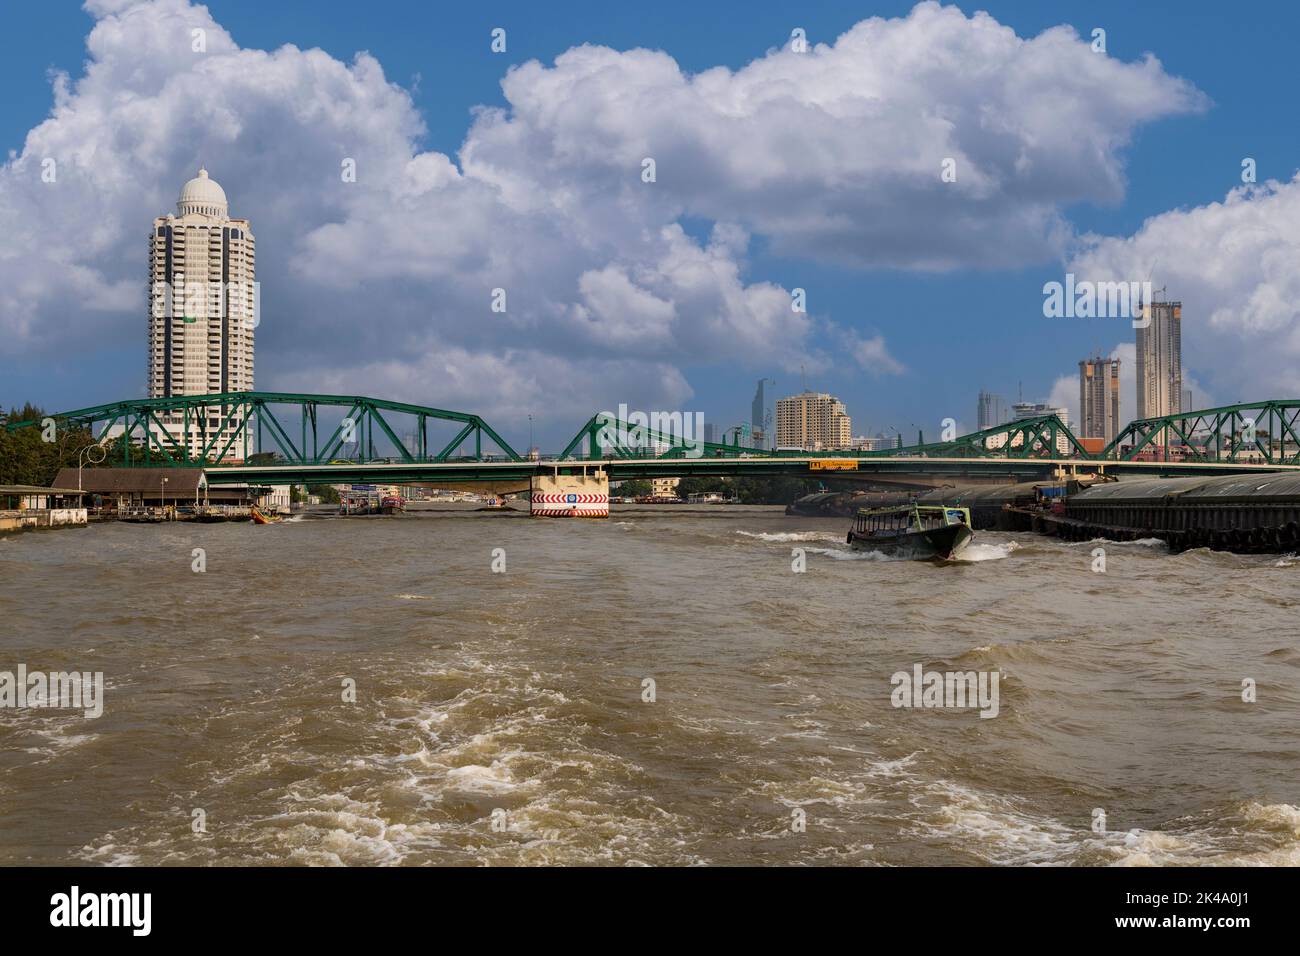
(125, 481)
(36, 490)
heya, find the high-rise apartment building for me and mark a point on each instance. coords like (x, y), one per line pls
(1160, 361)
(992, 411)
(813, 421)
(1099, 398)
(202, 311)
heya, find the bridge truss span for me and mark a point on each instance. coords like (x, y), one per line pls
(291, 428)
(293, 437)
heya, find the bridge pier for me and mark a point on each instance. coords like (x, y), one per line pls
(571, 495)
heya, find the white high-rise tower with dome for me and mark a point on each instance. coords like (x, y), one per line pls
(202, 311)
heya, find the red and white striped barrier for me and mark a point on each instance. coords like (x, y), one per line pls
(570, 496)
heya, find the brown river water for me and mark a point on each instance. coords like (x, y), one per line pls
(499, 717)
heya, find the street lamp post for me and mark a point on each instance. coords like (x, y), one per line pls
(164, 496)
(82, 459)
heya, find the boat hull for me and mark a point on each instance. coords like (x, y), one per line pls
(941, 544)
(260, 518)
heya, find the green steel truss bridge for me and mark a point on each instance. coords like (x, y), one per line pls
(285, 437)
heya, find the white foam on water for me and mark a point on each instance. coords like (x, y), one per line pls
(1136, 543)
(996, 829)
(839, 554)
(54, 733)
(988, 552)
(59, 742)
(1001, 830)
(109, 854)
(1280, 816)
(476, 778)
(892, 768)
(792, 535)
(334, 829)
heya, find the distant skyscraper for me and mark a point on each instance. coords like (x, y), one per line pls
(1099, 398)
(759, 417)
(992, 411)
(710, 432)
(1187, 401)
(202, 302)
(814, 421)
(1160, 361)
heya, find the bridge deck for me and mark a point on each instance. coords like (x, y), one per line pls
(622, 469)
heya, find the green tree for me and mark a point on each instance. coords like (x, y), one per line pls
(635, 488)
(328, 493)
(26, 458)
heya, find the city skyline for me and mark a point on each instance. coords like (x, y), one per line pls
(618, 323)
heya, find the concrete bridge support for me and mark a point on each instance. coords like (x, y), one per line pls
(571, 495)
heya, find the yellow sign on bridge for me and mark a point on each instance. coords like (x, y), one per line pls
(833, 464)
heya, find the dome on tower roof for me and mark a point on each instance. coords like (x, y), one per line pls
(202, 196)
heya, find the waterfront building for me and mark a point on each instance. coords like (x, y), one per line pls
(814, 421)
(27, 507)
(664, 487)
(202, 310)
(1160, 361)
(1099, 398)
(126, 489)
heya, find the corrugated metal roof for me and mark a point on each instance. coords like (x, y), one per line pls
(1257, 486)
(125, 481)
(1138, 489)
(980, 494)
(35, 490)
(1276, 485)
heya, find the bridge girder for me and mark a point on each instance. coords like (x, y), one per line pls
(1270, 431)
(634, 440)
(236, 421)
(231, 423)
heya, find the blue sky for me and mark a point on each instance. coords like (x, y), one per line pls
(952, 331)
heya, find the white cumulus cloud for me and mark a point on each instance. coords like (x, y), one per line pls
(1233, 266)
(384, 285)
